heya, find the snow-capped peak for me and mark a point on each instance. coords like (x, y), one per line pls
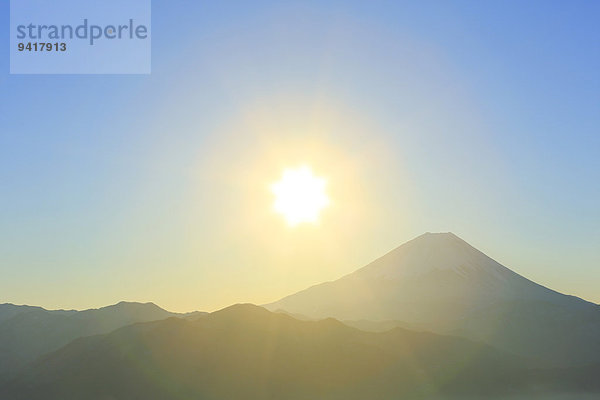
(431, 252)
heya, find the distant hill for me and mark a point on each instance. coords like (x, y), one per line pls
(245, 352)
(28, 332)
(7, 311)
(440, 283)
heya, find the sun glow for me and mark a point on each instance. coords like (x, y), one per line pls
(300, 196)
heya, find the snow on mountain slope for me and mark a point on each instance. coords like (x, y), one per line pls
(436, 275)
(433, 252)
(439, 282)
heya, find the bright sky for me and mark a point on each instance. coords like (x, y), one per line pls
(479, 118)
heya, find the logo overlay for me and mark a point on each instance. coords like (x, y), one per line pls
(80, 37)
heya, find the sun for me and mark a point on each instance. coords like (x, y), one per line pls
(300, 196)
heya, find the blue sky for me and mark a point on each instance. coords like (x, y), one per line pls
(479, 118)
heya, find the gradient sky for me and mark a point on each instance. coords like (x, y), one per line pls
(480, 118)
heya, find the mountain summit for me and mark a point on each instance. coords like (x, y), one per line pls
(439, 282)
(433, 252)
(432, 278)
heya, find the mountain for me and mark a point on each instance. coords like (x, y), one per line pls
(247, 352)
(7, 311)
(28, 332)
(438, 282)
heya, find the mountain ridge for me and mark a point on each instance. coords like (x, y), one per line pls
(27, 332)
(245, 351)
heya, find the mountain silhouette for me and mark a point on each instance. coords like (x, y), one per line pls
(247, 352)
(28, 332)
(438, 282)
